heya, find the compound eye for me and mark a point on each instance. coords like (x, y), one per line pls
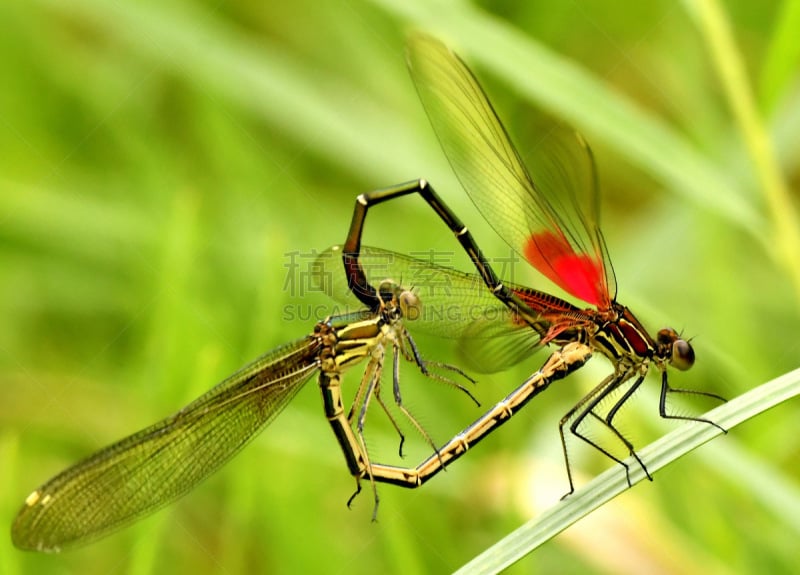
(682, 354)
(410, 305)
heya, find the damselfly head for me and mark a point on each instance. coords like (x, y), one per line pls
(410, 305)
(675, 349)
(400, 298)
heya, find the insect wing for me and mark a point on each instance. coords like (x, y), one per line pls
(541, 218)
(454, 305)
(157, 465)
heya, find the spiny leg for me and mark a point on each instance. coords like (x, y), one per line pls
(662, 404)
(373, 365)
(370, 391)
(569, 415)
(593, 401)
(608, 421)
(375, 371)
(398, 399)
(623, 400)
(448, 367)
(578, 414)
(357, 492)
(416, 357)
(393, 421)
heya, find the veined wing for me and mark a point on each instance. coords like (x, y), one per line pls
(454, 305)
(544, 217)
(157, 465)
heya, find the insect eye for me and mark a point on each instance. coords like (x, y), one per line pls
(682, 354)
(410, 305)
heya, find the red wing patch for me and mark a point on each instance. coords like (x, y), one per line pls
(578, 274)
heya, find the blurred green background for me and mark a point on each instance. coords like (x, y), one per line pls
(164, 166)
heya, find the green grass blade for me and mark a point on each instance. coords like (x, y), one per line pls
(716, 30)
(608, 485)
(783, 58)
(572, 93)
(314, 111)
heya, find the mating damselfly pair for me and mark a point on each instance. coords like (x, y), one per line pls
(548, 215)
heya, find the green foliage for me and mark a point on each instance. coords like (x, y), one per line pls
(160, 162)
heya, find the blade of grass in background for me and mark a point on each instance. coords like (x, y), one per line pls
(715, 27)
(569, 92)
(314, 111)
(782, 61)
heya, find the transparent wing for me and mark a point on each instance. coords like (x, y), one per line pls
(159, 464)
(489, 346)
(454, 305)
(544, 217)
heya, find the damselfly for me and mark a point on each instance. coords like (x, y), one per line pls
(548, 214)
(151, 468)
